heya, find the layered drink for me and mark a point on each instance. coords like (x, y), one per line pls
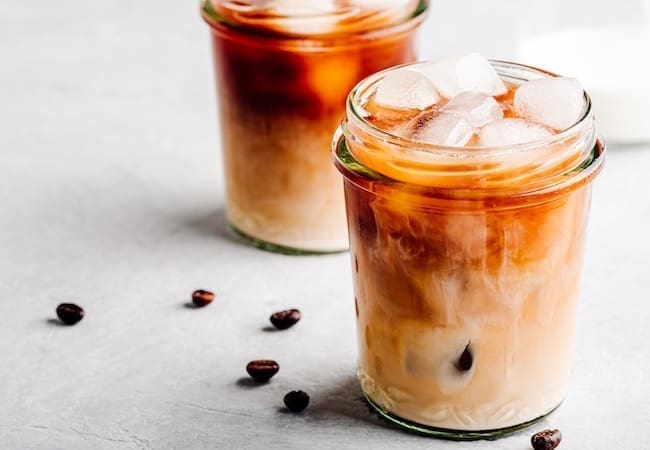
(467, 184)
(284, 69)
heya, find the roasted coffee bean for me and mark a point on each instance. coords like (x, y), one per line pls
(69, 313)
(202, 298)
(466, 360)
(546, 440)
(262, 369)
(296, 401)
(285, 319)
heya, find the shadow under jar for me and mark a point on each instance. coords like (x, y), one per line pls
(283, 70)
(466, 267)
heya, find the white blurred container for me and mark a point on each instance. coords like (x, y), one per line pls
(604, 44)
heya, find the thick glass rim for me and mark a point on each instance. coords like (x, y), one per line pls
(508, 70)
(509, 171)
(215, 19)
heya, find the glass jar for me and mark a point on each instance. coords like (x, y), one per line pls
(284, 69)
(466, 266)
(606, 45)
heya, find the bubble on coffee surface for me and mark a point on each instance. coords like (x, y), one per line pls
(554, 102)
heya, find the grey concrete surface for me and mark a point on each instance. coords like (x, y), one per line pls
(111, 197)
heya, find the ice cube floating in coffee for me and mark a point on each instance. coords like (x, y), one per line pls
(462, 101)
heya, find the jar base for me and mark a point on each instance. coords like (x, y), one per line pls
(277, 248)
(451, 434)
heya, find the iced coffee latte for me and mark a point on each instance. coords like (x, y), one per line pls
(284, 69)
(467, 185)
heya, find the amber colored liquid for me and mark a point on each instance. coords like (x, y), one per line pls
(280, 103)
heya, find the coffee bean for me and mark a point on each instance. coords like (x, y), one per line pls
(296, 401)
(262, 369)
(69, 313)
(466, 360)
(202, 298)
(546, 440)
(285, 319)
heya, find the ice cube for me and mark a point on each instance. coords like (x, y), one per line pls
(437, 128)
(453, 75)
(511, 132)
(477, 108)
(405, 89)
(555, 102)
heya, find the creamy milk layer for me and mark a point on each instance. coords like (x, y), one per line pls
(432, 288)
(282, 187)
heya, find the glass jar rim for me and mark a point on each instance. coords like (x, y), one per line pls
(233, 15)
(436, 166)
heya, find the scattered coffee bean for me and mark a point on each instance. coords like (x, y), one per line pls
(546, 440)
(296, 401)
(202, 298)
(285, 319)
(263, 369)
(69, 313)
(466, 360)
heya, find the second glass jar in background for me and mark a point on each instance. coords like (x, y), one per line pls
(283, 72)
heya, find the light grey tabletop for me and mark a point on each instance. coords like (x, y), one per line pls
(110, 196)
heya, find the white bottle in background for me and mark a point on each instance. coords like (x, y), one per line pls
(613, 63)
(606, 45)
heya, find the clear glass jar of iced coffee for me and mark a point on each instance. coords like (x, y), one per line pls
(284, 69)
(467, 186)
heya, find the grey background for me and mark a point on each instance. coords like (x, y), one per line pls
(110, 196)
